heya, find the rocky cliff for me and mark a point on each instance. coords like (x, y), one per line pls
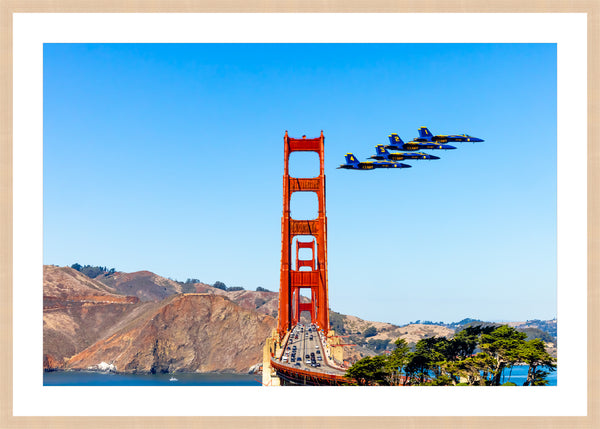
(187, 332)
(78, 311)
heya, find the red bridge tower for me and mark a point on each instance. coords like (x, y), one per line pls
(292, 278)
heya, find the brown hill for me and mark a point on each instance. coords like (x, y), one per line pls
(145, 285)
(148, 286)
(77, 312)
(353, 331)
(188, 332)
(204, 288)
(262, 302)
(66, 283)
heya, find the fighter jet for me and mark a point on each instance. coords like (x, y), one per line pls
(396, 143)
(354, 164)
(426, 136)
(383, 154)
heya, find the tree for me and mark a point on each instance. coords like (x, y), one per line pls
(76, 266)
(534, 354)
(220, 285)
(262, 289)
(93, 272)
(472, 368)
(428, 358)
(370, 371)
(503, 344)
(465, 341)
(397, 360)
(416, 367)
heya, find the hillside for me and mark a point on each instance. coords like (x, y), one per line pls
(78, 311)
(91, 318)
(372, 338)
(145, 285)
(188, 332)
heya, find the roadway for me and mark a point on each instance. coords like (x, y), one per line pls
(303, 342)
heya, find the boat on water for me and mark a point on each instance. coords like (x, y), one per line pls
(173, 379)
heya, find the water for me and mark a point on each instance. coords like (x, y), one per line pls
(88, 378)
(519, 375)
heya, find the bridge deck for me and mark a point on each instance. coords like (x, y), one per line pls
(292, 363)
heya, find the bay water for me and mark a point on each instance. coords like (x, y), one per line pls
(89, 378)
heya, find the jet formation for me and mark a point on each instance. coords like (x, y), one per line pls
(426, 141)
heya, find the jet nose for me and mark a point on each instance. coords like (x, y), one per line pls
(433, 157)
(475, 139)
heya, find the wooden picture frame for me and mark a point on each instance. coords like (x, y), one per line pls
(11, 7)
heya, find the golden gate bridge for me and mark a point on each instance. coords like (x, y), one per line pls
(298, 353)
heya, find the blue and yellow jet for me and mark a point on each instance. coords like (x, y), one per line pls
(383, 154)
(396, 143)
(426, 136)
(354, 164)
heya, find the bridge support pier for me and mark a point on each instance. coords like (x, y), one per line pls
(271, 348)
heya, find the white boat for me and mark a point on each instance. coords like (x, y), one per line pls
(173, 379)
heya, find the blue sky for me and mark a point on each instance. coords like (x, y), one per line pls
(169, 158)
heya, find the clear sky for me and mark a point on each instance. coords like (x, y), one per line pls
(169, 158)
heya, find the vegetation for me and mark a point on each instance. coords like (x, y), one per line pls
(378, 345)
(533, 333)
(91, 271)
(475, 356)
(542, 329)
(426, 322)
(222, 286)
(370, 332)
(262, 289)
(336, 321)
(188, 288)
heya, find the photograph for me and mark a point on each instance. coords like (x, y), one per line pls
(217, 216)
(273, 214)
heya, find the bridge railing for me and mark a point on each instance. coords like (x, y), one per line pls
(322, 376)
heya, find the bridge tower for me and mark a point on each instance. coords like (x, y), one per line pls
(292, 278)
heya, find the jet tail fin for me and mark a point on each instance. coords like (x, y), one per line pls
(351, 159)
(395, 139)
(382, 151)
(424, 133)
